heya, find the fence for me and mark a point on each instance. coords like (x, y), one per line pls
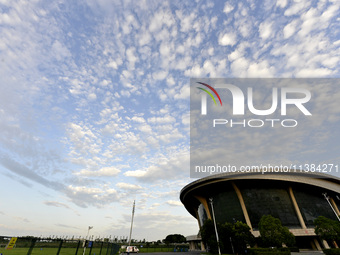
(39, 246)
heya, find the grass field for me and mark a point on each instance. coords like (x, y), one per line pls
(51, 251)
(72, 251)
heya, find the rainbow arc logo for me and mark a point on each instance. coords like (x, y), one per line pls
(209, 93)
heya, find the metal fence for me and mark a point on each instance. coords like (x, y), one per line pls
(48, 246)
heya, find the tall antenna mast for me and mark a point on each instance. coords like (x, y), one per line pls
(133, 214)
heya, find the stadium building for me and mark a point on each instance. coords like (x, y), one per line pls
(296, 198)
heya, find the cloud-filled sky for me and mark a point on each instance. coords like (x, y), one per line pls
(94, 102)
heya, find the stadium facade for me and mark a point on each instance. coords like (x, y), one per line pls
(296, 198)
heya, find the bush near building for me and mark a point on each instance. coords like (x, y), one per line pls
(331, 251)
(273, 234)
(236, 237)
(233, 237)
(268, 251)
(327, 229)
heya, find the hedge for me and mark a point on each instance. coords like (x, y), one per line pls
(331, 251)
(268, 251)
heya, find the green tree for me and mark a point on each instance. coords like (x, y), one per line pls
(273, 233)
(327, 229)
(233, 237)
(242, 237)
(174, 238)
(208, 236)
(225, 232)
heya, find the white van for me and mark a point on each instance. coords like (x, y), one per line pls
(132, 249)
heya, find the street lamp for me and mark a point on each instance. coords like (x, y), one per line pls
(88, 231)
(213, 214)
(327, 198)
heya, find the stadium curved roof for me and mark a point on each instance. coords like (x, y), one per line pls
(325, 181)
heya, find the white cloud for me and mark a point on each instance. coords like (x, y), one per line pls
(330, 12)
(160, 18)
(145, 38)
(56, 204)
(60, 51)
(128, 186)
(113, 64)
(136, 173)
(85, 196)
(138, 119)
(228, 8)
(313, 72)
(290, 29)
(105, 171)
(131, 57)
(281, 3)
(83, 141)
(239, 67)
(160, 75)
(186, 21)
(296, 7)
(184, 93)
(168, 167)
(92, 96)
(174, 203)
(261, 70)
(265, 30)
(195, 71)
(161, 120)
(145, 129)
(227, 39)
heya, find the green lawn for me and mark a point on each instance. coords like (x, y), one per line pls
(141, 250)
(52, 251)
(72, 251)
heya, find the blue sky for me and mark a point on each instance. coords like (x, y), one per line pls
(94, 102)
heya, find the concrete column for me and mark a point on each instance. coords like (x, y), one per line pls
(198, 219)
(296, 207)
(202, 246)
(243, 205)
(325, 244)
(205, 204)
(318, 247)
(313, 245)
(336, 209)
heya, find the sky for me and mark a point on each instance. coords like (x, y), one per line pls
(95, 101)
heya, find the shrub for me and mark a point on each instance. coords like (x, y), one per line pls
(294, 249)
(273, 234)
(268, 251)
(331, 251)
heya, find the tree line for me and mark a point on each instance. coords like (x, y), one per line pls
(236, 237)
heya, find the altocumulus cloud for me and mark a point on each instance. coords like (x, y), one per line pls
(105, 171)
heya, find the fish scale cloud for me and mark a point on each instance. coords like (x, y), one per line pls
(118, 80)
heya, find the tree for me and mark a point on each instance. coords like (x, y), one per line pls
(242, 237)
(175, 238)
(208, 236)
(327, 229)
(273, 233)
(233, 237)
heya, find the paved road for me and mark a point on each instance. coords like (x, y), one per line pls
(173, 253)
(308, 253)
(199, 252)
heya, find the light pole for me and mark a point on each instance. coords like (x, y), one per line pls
(88, 231)
(133, 213)
(327, 198)
(213, 214)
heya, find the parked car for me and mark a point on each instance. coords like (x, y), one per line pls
(132, 249)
